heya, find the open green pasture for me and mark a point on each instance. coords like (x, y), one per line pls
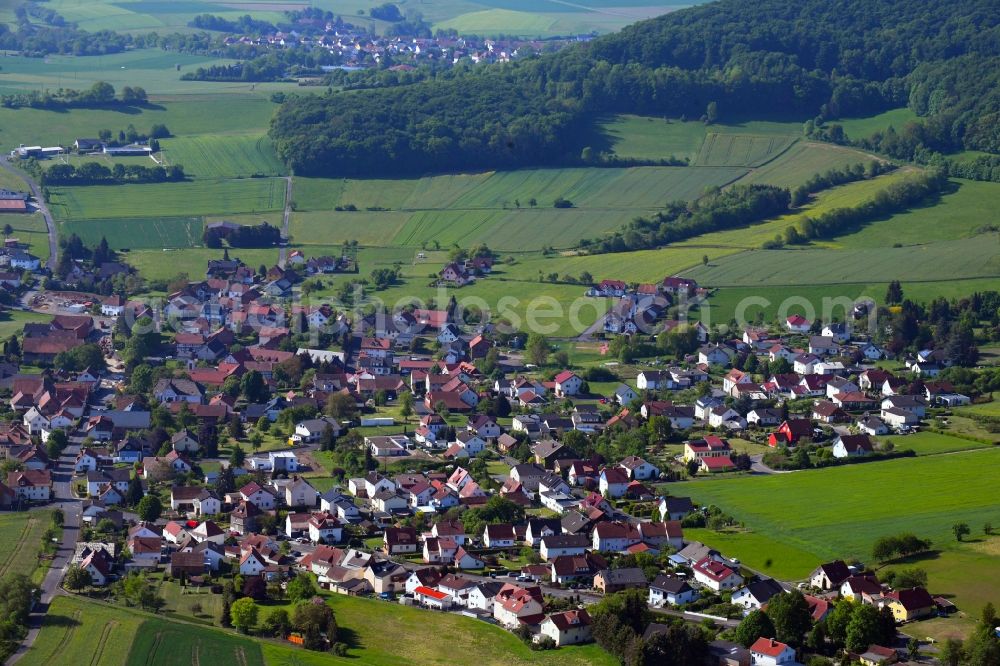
(210, 114)
(929, 443)
(165, 264)
(639, 266)
(30, 229)
(199, 197)
(959, 213)
(839, 512)
(226, 156)
(726, 302)
(859, 128)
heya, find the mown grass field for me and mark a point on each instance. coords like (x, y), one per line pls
(839, 512)
(968, 208)
(198, 197)
(30, 229)
(858, 128)
(163, 265)
(227, 156)
(13, 321)
(20, 538)
(934, 443)
(77, 631)
(645, 137)
(492, 207)
(725, 303)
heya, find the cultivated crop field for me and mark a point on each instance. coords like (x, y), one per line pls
(20, 537)
(132, 233)
(741, 149)
(798, 164)
(495, 207)
(78, 632)
(227, 156)
(200, 197)
(976, 257)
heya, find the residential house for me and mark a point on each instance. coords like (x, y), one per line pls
(830, 575)
(756, 593)
(671, 590)
(610, 581)
(567, 628)
(716, 575)
(849, 446)
(769, 652)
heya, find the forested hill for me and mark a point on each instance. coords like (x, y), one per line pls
(813, 57)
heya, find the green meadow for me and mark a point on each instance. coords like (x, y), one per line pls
(839, 512)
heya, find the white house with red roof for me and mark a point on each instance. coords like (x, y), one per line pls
(716, 575)
(568, 383)
(615, 537)
(567, 628)
(769, 652)
(431, 598)
(613, 482)
(252, 563)
(797, 324)
(516, 605)
(255, 494)
(324, 528)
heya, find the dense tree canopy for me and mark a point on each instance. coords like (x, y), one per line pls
(734, 57)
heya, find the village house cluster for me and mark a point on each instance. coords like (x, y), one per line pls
(403, 533)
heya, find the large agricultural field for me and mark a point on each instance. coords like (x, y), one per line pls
(493, 208)
(541, 18)
(839, 512)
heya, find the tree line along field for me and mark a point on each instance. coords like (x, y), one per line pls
(839, 512)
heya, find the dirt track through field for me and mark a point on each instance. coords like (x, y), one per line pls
(109, 627)
(70, 630)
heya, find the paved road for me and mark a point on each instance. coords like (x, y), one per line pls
(36, 192)
(61, 482)
(284, 221)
